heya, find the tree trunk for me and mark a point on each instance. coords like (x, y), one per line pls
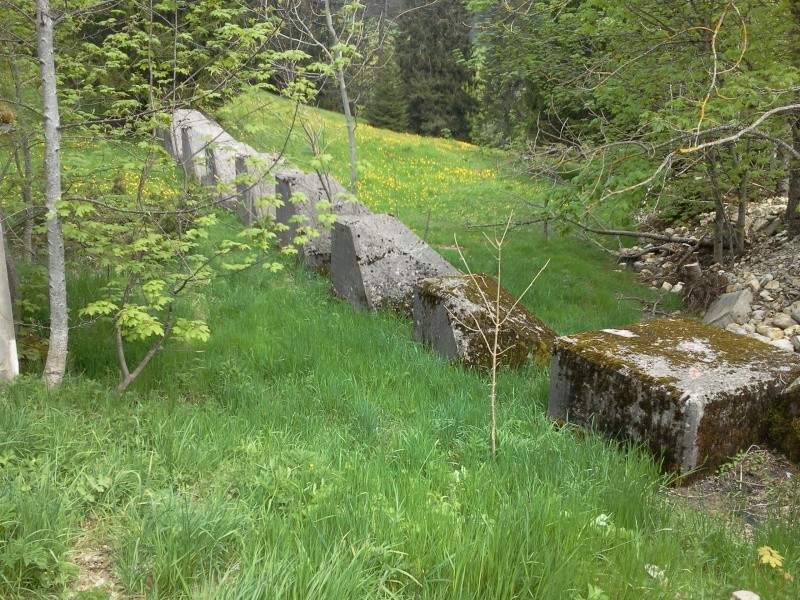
(693, 272)
(55, 366)
(782, 187)
(13, 280)
(719, 209)
(25, 168)
(9, 365)
(348, 116)
(793, 195)
(743, 172)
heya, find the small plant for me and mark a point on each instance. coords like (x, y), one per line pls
(771, 557)
(494, 308)
(592, 593)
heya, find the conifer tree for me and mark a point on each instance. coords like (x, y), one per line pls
(387, 106)
(433, 48)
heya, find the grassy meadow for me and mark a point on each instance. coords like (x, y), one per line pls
(308, 451)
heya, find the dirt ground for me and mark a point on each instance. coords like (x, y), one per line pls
(754, 486)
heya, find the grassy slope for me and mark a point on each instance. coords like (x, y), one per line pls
(309, 451)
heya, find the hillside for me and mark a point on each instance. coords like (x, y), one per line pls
(310, 451)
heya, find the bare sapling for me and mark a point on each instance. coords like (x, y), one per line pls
(497, 319)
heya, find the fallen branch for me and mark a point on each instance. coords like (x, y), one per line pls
(659, 237)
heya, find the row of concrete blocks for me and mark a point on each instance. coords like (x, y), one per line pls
(374, 260)
(247, 181)
(691, 393)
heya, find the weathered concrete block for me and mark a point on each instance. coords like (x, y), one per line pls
(693, 393)
(209, 153)
(255, 187)
(728, 308)
(450, 313)
(376, 261)
(190, 139)
(300, 194)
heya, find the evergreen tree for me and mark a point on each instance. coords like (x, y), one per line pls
(387, 106)
(433, 49)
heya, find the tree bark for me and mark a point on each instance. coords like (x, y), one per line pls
(693, 271)
(720, 218)
(743, 172)
(348, 116)
(792, 219)
(13, 280)
(55, 366)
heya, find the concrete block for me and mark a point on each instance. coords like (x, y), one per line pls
(692, 393)
(376, 262)
(208, 153)
(255, 187)
(450, 312)
(300, 194)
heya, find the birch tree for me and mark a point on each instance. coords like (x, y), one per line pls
(56, 363)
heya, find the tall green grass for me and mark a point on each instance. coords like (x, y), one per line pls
(311, 451)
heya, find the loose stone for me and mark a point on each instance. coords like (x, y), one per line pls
(783, 344)
(783, 321)
(772, 333)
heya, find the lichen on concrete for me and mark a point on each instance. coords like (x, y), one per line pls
(453, 313)
(694, 394)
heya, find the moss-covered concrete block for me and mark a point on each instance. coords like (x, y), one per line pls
(450, 313)
(693, 393)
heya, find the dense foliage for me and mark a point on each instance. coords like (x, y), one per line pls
(688, 105)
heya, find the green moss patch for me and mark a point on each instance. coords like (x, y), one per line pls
(467, 307)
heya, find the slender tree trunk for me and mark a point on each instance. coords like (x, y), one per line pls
(9, 365)
(793, 194)
(782, 185)
(348, 116)
(55, 366)
(13, 280)
(792, 219)
(743, 172)
(719, 209)
(23, 147)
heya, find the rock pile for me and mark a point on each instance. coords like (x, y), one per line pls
(772, 275)
(770, 271)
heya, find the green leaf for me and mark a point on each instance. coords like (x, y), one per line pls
(100, 307)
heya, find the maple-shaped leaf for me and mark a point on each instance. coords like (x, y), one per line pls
(770, 557)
